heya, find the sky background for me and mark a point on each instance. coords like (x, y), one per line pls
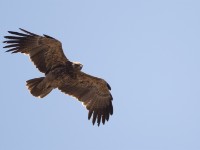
(147, 50)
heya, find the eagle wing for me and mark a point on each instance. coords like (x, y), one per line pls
(93, 92)
(45, 51)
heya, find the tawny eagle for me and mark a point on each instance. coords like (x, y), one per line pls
(47, 54)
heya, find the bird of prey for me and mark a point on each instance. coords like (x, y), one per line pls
(59, 72)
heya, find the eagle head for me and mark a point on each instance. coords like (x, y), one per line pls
(77, 65)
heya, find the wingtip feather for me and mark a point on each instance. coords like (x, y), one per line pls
(94, 117)
(109, 87)
(17, 33)
(30, 33)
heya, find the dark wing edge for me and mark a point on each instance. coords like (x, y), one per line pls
(37, 47)
(14, 42)
(101, 114)
(95, 95)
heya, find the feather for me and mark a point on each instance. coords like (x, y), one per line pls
(13, 49)
(17, 33)
(48, 36)
(108, 86)
(99, 117)
(90, 114)
(13, 37)
(11, 41)
(12, 45)
(94, 117)
(28, 32)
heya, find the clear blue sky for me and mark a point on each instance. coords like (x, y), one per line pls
(147, 50)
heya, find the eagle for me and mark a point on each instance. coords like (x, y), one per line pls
(59, 72)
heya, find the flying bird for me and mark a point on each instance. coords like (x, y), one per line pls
(59, 72)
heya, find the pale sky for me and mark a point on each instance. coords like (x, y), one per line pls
(148, 51)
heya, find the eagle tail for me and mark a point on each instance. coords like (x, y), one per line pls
(38, 88)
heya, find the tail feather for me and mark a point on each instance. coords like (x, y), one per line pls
(38, 88)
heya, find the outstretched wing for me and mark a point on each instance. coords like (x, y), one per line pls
(45, 51)
(93, 92)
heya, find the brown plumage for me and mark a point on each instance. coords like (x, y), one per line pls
(47, 55)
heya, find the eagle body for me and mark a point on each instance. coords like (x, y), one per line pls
(47, 55)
